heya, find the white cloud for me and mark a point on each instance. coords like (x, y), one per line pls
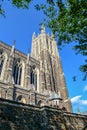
(83, 102)
(85, 88)
(78, 102)
(76, 99)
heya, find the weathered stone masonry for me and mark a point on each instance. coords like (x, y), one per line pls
(35, 77)
(19, 116)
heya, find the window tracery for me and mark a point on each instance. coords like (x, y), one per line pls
(33, 77)
(17, 72)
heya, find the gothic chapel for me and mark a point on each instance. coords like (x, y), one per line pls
(36, 79)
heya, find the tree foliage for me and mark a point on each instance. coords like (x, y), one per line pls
(2, 12)
(18, 3)
(21, 3)
(68, 21)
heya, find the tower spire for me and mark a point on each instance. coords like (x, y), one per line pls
(79, 111)
(52, 35)
(13, 47)
(28, 55)
(43, 29)
(33, 36)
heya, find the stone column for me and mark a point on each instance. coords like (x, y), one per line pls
(33, 52)
(10, 66)
(42, 81)
(38, 81)
(27, 72)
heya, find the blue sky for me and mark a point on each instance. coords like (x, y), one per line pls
(19, 25)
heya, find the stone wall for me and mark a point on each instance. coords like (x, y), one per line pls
(19, 116)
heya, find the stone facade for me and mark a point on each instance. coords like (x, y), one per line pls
(19, 116)
(32, 79)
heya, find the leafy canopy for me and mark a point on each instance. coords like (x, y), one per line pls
(18, 3)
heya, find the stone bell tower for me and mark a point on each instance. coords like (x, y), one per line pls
(52, 78)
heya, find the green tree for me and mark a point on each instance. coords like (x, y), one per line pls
(18, 3)
(68, 21)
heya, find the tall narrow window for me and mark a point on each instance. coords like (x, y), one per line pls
(17, 72)
(1, 62)
(47, 43)
(35, 81)
(20, 74)
(1, 65)
(33, 77)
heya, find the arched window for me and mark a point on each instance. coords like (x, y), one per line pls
(17, 72)
(33, 77)
(1, 62)
(35, 81)
(20, 98)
